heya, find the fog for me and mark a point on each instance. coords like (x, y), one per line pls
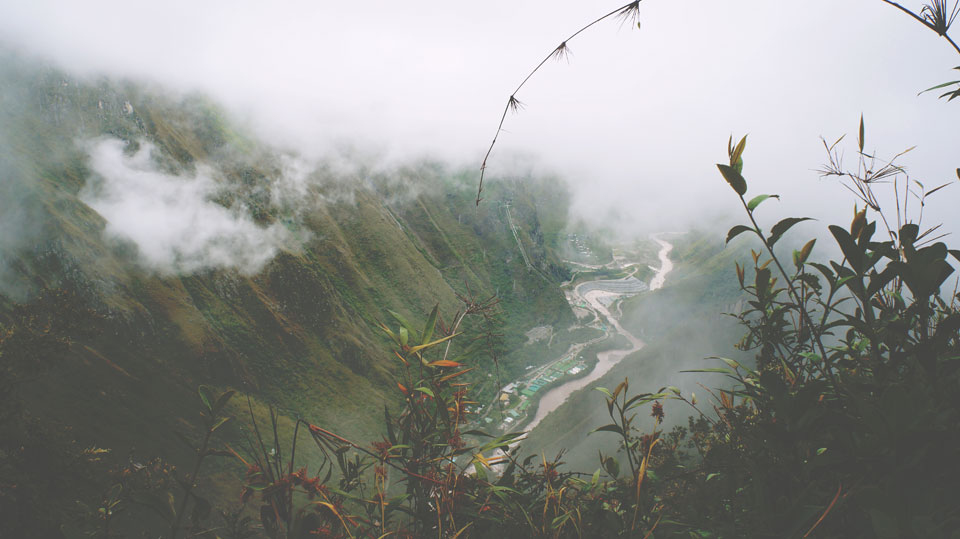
(174, 221)
(20, 218)
(635, 119)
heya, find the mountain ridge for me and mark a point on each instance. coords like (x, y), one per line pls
(300, 333)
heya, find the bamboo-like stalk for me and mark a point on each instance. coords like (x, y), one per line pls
(625, 12)
(924, 20)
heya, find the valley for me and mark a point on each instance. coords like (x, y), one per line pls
(177, 251)
(265, 273)
(524, 402)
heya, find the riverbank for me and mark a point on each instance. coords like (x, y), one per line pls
(530, 399)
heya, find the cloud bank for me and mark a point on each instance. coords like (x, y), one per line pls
(635, 122)
(174, 220)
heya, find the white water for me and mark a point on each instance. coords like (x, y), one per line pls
(665, 264)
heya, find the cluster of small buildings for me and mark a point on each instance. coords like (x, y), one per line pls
(520, 394)
(580, 245)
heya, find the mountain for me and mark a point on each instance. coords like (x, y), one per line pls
(151, 245)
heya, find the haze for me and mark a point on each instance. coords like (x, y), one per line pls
(635, 122)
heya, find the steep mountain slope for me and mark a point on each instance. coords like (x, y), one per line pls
(107, 335)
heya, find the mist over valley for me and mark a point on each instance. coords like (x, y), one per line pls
(264, 274)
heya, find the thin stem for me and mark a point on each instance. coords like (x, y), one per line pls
(814, 331)
(188, 488)
(925, 23)
(626, 437)
(512, 100)
(293, 455)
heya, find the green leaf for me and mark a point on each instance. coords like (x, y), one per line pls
(390, 333)
(430, 325)
(609, 428)
(737, 230)
(732, 363)
(206, 394)
(640, 400)
(762, 280)
(612, 467)
(803, 254)
(737, 154)
(733, 178)
(622, 386)
(821, 451)
(712, 475)
(391, 435)
(425, 390)
(403, 322)
(810, 280)
(935, 189)
(404, 336)
(860, 140)
(755, 201)
(859, 221)
(416, 349)
(824, 270)
(849, 247)
(782, 227)
(843, 281)
(481, 472)
(605, 391)
(719, 370)
(221, 422)
(937, 87)
(222, 401)
(171, 505)
(880, 280)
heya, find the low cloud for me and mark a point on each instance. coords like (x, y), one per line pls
(174, 220)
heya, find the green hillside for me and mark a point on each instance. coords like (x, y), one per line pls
(104, 352)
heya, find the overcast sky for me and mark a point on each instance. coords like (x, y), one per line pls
(635, 120)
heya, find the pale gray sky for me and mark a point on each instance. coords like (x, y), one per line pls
(635, 120)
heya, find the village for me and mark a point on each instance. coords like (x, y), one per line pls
(514, 406)
(516, 397)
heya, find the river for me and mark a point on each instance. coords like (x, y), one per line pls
(553, 398)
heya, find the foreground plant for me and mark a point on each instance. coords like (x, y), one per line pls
(430, 475)
(847, 419)
(163, 491)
